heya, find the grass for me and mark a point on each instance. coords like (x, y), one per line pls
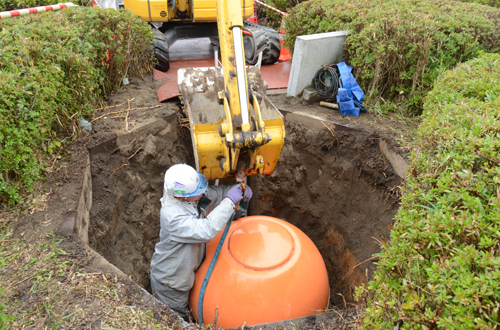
(44, 287)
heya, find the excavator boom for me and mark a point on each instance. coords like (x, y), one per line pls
(233, 124)
(234, 127)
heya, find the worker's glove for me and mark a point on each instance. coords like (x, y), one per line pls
(235, 194)
(248, 193)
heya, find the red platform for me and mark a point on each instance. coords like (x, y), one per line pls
(199, 53)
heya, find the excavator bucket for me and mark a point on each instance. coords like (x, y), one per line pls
(204, 104)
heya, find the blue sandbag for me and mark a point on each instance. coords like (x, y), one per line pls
(346, 103)
(350, 84)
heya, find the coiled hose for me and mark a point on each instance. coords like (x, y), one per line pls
(327, 81)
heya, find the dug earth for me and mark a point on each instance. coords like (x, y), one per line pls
(335, 180)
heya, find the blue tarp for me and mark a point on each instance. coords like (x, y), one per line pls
(352, 88)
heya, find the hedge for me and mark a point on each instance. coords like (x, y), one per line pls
(274, 19)
(54, 67)
(399, 47)
(441, 268)
(6, 5)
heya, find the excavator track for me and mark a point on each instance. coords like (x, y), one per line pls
(258, 38)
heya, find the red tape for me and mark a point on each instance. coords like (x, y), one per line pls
(272, 8)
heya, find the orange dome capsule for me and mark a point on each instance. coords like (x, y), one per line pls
(268, 270)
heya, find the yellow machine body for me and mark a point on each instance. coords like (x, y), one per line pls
(197, 10)
(209, 120)
(233, 124)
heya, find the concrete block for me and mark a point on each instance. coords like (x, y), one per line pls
(310, 53)
(310, 95)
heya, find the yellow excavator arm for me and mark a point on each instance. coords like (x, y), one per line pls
(240, 130)
(234, 126)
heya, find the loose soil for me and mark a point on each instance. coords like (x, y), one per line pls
(332, 183)
(126, 208)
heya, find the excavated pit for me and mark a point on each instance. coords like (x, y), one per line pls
(332, 182)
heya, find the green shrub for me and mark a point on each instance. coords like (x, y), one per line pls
(283, 5)
(53, 70)
(399, 47)
(441, 268)
(6, 5)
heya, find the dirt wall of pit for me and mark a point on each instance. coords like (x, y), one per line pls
(333, 183)
(127, 178)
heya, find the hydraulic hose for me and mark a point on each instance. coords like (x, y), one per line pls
(243, 207)
(327, 82)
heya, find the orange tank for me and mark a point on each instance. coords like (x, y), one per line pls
(268, 270)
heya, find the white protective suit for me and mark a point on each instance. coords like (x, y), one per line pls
(180, 251)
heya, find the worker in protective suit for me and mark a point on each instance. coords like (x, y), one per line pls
(192, 214)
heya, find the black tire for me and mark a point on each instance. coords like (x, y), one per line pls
(273, 49)
(261, 39)
(253, 44)
(163, 60)
(247, 23)
(160, 50)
